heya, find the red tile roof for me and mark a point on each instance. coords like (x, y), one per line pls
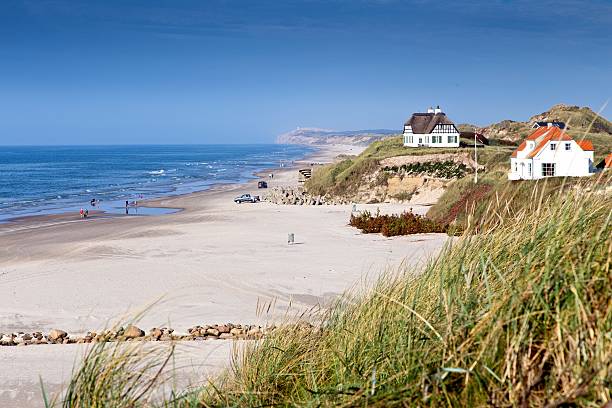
(608, 161)
(586, 145)
(543, 135)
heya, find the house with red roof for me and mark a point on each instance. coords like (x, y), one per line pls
(550, 152)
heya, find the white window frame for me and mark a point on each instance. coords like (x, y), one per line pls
(529, 168)
(553, 146)
(452, 139)
(568, 146)
(549, 169)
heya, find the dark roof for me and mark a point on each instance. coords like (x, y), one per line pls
(471, 135)
(560, 125)
(425, 122)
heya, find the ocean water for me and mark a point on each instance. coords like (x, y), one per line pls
(38, 180)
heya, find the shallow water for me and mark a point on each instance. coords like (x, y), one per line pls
(36, 180)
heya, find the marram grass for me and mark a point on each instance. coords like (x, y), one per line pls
(519, 314)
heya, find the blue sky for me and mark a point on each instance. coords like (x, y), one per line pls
(217, 71)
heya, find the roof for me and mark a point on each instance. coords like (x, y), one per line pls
(608, 161)
(555, 123)
(426, 122)
(585, 145)
(543, 135)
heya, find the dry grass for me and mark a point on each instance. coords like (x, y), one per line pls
(518, 315)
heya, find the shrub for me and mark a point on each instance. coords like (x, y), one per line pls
(447, 169)
(393, 225)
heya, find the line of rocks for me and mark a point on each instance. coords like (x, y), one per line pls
(226, 331)
(298, 196)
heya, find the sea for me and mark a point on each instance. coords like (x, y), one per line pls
(39, 180)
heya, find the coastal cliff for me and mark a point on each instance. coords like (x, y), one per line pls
(315, 136)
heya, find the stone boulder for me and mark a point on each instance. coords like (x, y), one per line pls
(132, 332)
(57, 335)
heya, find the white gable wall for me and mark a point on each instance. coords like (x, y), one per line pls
(568, 163)
(426, 139)
(573, 163)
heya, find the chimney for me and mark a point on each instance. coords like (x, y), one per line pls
(430, 110)
(438, 110)
(549, 124)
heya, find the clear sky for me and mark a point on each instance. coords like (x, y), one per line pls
(216, 71)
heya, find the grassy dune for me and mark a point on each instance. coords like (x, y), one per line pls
(518, 315)
(345, 177)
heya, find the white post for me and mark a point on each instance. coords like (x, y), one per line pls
(476, 160)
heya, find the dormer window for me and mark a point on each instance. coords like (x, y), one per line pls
(553, 146)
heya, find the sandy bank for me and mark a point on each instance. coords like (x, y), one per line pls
(216, 261)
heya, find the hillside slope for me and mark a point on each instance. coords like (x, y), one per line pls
(580, 120)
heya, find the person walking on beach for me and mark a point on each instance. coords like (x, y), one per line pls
(86, 213)
(82, 213)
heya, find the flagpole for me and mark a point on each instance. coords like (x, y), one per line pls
(476, 160)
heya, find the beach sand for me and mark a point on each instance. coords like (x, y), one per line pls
(213, 262)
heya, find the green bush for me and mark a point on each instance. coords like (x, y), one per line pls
(446, 169)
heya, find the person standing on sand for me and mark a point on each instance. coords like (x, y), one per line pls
(86, 213)
(82, 213)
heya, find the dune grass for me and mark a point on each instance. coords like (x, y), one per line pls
(345, 177)
(517, 315)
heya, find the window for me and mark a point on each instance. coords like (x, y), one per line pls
(410, 139)
(427, 139)
(548, 169)
(452, 139)
(553, 146)
(568, 146)
(515, 167)
(529, 169)
(436, 139)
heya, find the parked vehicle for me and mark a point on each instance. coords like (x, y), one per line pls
(262, 184)
(246, 198)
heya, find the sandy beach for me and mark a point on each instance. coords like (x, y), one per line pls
(213, 262)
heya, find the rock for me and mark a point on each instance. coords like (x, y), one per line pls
(165, 337)
(155, 333)
(225, 336)
(57, 335)
(132, 332)
(236, 331)
(254, 332)
(6, 340)
(212, 332)
(224, 328)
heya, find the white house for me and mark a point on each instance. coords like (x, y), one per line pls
(431, 129)
(549, 152)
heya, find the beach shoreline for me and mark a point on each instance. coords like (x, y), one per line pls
(321, 154)
(213, 262)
